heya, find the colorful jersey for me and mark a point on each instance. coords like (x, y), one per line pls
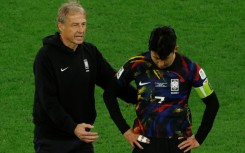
(162, 108)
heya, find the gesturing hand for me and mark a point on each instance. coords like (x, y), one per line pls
(82, 132)
(134, 138)
(189, 143)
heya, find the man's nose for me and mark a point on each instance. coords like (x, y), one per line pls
(81, 28)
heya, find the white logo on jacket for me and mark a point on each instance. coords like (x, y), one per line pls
(86, 65)
(63, 69)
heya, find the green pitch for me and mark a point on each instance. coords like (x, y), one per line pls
(210, 32)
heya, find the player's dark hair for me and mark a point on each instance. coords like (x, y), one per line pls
(162, 41)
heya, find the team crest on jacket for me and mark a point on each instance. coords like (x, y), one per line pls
(86, 65)
(174, 86)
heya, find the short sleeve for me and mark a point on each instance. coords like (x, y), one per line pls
(201, 83)
(125, 74)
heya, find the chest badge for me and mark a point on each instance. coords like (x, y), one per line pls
(174, 86)
(86, 65)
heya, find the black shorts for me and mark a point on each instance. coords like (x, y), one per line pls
(160, 145)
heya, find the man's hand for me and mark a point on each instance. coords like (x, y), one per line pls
(82, 132)
(188, 144)
(134, 138)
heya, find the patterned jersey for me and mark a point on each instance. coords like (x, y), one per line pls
(162, 108)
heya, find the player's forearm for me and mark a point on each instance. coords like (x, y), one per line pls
(212, 106)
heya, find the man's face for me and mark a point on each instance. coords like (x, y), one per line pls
(163, 63)
(73, 29)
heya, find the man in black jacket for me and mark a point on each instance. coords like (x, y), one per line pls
(66, 71)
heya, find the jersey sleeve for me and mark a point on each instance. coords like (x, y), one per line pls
(125, 74)
(201, 83)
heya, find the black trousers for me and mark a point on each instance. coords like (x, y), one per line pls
(45, 143)
(61, 146)
(160, 145)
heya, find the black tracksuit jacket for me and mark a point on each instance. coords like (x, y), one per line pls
(64, 86)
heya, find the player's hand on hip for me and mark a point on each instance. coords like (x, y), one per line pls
(134, 139)
(188, 144)
(82, 131)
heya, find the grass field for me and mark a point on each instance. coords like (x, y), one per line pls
(210, 32)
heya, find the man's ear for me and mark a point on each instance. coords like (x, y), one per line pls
(176, 48)
(60, 26)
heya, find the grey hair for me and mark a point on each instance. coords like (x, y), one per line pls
(69, 7)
